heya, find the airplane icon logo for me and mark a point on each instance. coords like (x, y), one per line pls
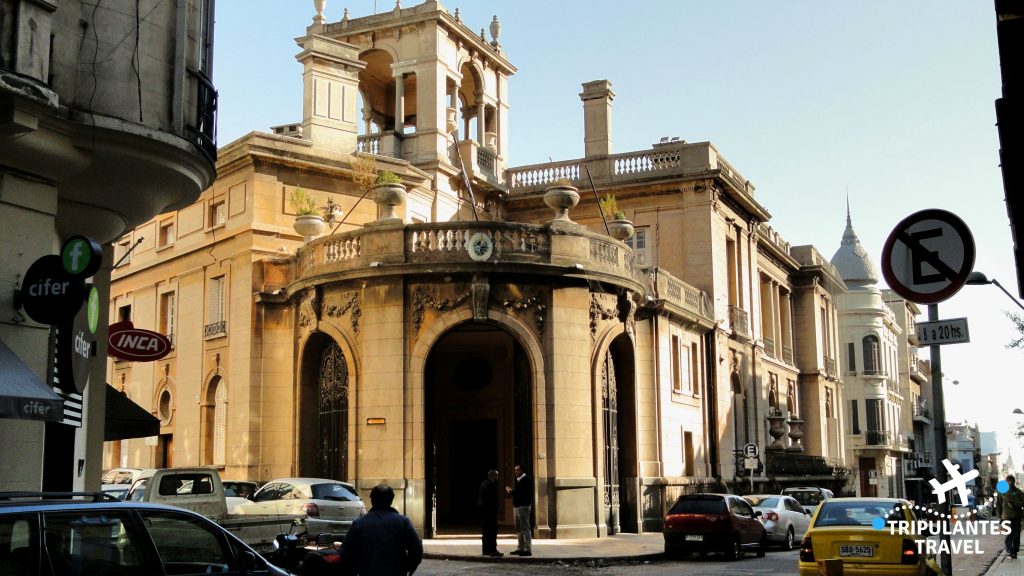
(956, 480)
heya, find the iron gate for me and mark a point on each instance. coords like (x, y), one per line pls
(332, 414)
(609, 407)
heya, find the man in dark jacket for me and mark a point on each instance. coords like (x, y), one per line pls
(522, 501)
(1011, 508)
(383, 542)
(488, 501)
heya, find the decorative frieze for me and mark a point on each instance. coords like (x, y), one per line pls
(600, 313)
(422, 300)
(337, 310)
(513, 306)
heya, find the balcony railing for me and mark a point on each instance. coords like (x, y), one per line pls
(387, 143)
(790, 464)
(921, 413)
(769, 347)
(887, 439)
(206, 114)
(215, 329)
(830, 366)
(739, 320)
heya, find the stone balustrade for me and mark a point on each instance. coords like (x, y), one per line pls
(671, 160)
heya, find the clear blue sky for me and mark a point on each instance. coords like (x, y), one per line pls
(892, 101)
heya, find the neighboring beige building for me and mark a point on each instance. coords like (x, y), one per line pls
(423, 348)
(870, 341)
(103, 125)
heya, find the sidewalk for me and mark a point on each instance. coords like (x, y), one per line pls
(1006, 566)
(618, 547)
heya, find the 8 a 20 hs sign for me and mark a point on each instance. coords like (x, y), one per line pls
(951, 331)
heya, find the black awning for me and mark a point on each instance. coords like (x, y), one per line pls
(22, 394)
(126, 419)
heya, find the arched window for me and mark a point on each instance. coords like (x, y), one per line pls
(871, 354)
(215, 422)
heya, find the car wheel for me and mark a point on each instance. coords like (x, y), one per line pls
(735, 549)
(788, 544)
(762, 546)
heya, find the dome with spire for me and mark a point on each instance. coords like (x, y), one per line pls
(852, 260)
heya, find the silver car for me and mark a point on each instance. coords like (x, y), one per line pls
(330, 506)
(785, 520)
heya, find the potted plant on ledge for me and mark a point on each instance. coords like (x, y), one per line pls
(388, 193)
(308, 221)
(619, 228)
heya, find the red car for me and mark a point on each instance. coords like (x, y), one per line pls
(714, 523)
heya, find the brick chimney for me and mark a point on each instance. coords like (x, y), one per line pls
(597, 99)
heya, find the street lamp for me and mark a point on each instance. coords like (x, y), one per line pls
(977, 278)
(1018, 411)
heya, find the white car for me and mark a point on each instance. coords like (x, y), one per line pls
(330, 506)
(120, 478)
(785, 520)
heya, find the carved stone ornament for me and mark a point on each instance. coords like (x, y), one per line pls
(627, 311)
(337, 310)
(422, 300)
(599, 313)
(513, 305)
(481, 294)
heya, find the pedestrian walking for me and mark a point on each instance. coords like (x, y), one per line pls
(1012, 509)
(488, 501)
(522, 501)
(383, 542)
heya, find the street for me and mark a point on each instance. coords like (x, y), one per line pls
(775, 562)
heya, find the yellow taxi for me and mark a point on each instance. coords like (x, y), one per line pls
(870, 536)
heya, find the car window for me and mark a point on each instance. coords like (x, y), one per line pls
(337, 492)
(698, 506)
(241, 489)
(19, 545)
(858, 513)
(89, 542)
(286, 491)
(794, 506)
(268, 492)
(138, 490)
(740, 507)
(762, 501)
(806, 497)
(187, 544)
(181, 484)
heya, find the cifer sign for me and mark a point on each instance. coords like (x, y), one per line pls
(136, 344)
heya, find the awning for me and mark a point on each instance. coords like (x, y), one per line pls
(22, 394)
(126, 419)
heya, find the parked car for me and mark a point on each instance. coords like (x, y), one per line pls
(101, 536)
(714, 523)
(785, 520)
(120, 477)
(808, 496)
(197, 489)
(843, 528)
(118, 491)
(330, 506)
(237, 492)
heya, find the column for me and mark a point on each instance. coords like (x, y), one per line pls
(399, 102)
(479, 118)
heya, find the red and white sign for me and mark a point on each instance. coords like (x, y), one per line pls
(136, 344)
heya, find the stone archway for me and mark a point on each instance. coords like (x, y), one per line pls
(323, 413)
(617, 387)
(478, 416)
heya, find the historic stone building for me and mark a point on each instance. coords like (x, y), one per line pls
(104, 123)
(422, 341)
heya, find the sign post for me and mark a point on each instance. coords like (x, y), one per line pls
(926, 259)
(750, 453)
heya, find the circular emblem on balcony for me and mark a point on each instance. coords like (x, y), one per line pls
(480, 246)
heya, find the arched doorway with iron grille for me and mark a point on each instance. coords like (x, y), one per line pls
(478, 416)
(616, 384)
(324, 397)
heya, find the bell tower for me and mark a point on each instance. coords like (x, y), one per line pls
(434, 93)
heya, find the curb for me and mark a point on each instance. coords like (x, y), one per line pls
(542, 559)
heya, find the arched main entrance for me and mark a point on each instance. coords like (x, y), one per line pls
(323, 410)
(618, 410)
(478, 416)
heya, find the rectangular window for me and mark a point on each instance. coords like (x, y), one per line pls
(694, 370)
(167, 315)
(124, 313)
(638, 242)
(731, 265)
(121, 250)
(851, 352)
(688, 453)
(166, 236)
(855, 417)
(216, 313)
(218, 214)
(874, 415)
(677, 385)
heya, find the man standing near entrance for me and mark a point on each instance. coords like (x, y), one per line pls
(488, 501)
(522, 500)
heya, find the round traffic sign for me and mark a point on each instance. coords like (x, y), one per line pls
(750, 450)
(928, 255)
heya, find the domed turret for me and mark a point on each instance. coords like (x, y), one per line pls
(852, 260)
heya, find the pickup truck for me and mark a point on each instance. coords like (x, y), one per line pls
(201, 490)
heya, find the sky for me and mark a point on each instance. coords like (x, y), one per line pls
(887, 104)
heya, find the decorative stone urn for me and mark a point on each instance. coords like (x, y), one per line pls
(796, 433)
(309, 226)
(388, 197)
(491, 140)
(560, 198)
(777, 430)
(620, 229)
